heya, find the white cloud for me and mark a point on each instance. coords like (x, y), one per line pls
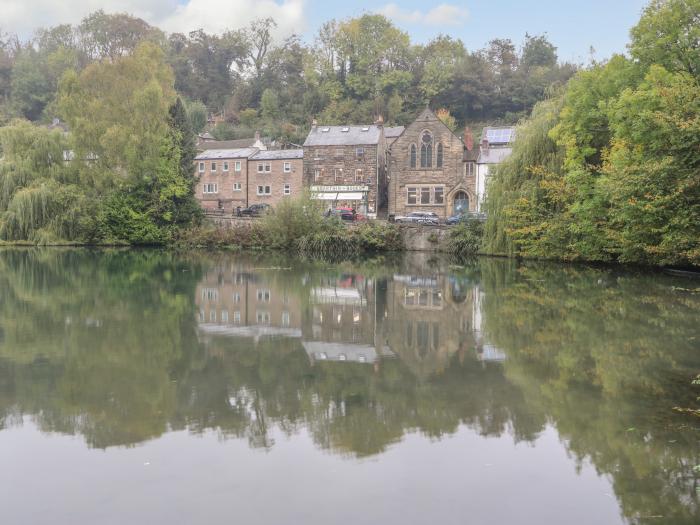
(24, 16)
(442, 15)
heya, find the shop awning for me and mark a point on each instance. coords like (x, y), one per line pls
(325, 196)
(350, 196)
(338, 196)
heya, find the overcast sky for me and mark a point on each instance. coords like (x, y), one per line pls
(572, 25)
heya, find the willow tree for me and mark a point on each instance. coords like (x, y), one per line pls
(40, 199)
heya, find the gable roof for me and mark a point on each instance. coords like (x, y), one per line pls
(391, 132)
(343, 136)
(427, 115)
(279, 154)
(214, 154)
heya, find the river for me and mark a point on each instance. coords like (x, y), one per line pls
(143, 386)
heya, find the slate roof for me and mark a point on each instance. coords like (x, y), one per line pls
(226, 144)
(214, 154)
(343, 136)
(392, 132)
(494, 155)
(279, 154)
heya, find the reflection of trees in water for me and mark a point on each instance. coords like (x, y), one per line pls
(105, 344)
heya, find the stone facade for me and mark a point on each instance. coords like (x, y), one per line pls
(222, 178)
(431, 170)
(232, 178)
(274, 176)
(347, 156)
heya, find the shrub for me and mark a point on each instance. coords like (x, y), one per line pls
(465, 238)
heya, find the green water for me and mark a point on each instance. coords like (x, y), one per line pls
(148, 387)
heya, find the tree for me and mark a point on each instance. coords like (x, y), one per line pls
(112, 36)
(197, 116)
(669, 34)
(538, 51)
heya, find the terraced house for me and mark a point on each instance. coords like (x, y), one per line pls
(233, 178)
(346, 166)
(431, 169)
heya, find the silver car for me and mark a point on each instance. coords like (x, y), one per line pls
(418, 217)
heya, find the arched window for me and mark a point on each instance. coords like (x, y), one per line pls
(439, 156)
(426, 150)
(413, 155)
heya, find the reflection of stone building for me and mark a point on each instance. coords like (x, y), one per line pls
(429, 319)
(234, 301)
(340, 324)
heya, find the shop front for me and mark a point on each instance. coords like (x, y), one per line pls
(354, 197)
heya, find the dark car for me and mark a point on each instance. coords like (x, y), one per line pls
(254, 210)
(464, 217)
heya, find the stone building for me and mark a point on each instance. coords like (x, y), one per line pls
(346, 166)
(222, 178)
(274, 175)
(431, 169)
(232, 178)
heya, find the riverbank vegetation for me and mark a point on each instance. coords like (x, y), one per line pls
(608, 168)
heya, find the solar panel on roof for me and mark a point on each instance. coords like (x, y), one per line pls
(500, 136)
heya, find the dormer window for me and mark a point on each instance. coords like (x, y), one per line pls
(426, 150)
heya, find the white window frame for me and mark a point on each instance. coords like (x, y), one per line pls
(360, 153)
(210, 188)
(202, 167)
(359, 172)
(415, 195)
(263, 295)
(287, 167)
(237, 166)
(237, 186)
(287, 190)
(336, 172)
(266, 189)
(212, 166)
(318, 172)
(264, 167)
(225, 169)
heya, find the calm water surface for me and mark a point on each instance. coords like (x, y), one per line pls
(145, 387)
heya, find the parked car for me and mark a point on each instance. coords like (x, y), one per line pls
(418, 217)
(346, 214)
(254, 210)
(463, 217)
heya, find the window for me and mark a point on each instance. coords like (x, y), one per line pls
(225, 166)
(236, 297)
(285, 318)
(439, 195)
(413, 155)
(213, 167)
(224, 316)
(358, 175)
(236, 186)
(211, 187)
(470, 169)
(287, 189)
(425, 195)
(287, 167)
(263, 296)
(262, 317)
(338, 173)
(237, 317)
(317, 175)
(412, 196)
(360, 153)
(438, 161)
(237, 166)
(201, 167)
(426, 150)
(264, 190)
(264, 167)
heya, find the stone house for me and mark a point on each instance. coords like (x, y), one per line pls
(233, 178)
(431, 169)
(274, 175)
(496, 146)
(346, 166)
(222, 178)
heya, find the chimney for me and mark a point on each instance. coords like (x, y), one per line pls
(484, 144)
(468, 139)
(258, 143)
(314, 123)
(379, 122)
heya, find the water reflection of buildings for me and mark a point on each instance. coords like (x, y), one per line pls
(341, 321)
(236, 301)
(425, 318)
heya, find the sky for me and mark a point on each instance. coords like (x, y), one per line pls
(574, 26)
